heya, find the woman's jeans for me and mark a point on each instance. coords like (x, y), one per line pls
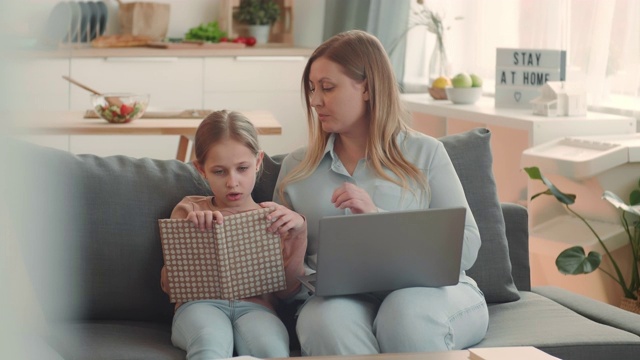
(209, 329)
(406, 320)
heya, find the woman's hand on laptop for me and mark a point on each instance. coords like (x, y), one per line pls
(354, 198)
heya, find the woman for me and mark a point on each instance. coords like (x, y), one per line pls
(362, 158)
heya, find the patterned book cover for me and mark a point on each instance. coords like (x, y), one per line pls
(238, 259)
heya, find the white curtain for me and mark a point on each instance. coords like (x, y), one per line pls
(601, 37)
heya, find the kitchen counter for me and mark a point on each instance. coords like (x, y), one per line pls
(265, 77)
(86, 51)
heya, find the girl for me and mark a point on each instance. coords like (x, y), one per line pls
(228, 157)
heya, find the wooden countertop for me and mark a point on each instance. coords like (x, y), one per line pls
(85, 51)
(73, 123)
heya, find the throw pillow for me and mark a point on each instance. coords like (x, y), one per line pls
(471, 155)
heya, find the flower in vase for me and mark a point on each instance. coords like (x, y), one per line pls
(433, 21)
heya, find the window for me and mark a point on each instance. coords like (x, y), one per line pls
(602, 39)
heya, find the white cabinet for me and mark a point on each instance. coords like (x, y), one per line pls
(190, 80)
(513, 131)
(260, 83)
(173, 84)
(39, 87)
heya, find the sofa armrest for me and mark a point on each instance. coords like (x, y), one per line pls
(516, 219)
(597, 311)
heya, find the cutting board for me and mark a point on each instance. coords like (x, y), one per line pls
(194, 45)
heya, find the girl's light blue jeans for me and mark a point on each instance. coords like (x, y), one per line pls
(209, 329)
(406, 320)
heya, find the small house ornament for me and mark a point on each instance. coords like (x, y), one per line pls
(561, 98)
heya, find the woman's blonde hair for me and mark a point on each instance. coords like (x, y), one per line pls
(362, 58)
(222, 125)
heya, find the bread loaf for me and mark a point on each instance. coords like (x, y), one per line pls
(120, 40)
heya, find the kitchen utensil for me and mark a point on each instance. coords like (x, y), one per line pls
(112, 100)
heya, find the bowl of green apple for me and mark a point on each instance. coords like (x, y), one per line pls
(465, 89)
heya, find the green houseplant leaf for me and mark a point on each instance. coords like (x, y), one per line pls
(257, 12)
(573, 261)
(535, 174)
(634, 197)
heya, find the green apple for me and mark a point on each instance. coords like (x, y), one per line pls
(476, 81)
(462, 80)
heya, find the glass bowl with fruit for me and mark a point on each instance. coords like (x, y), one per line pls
(120, 108)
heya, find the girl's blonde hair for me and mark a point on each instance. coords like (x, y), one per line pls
(362, 58)
(222, 125)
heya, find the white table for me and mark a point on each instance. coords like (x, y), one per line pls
(513, 131)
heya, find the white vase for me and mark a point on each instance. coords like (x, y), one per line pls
(260, 32)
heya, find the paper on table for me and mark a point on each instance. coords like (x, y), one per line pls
(509, 353)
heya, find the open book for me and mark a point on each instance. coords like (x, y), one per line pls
(238, 259)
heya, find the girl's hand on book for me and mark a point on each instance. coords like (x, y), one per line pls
(283, 220)
(205, 219)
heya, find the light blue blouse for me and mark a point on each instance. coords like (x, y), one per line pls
(311, 197)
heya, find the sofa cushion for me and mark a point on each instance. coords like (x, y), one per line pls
(96, 252)
(471, 155)
(114, 340)
(99, 246)
(118, 235)
(516, 219)
(537, 321)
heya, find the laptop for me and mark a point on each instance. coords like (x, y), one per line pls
(387, 251)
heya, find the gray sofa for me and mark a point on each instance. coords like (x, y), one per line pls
(98, 280)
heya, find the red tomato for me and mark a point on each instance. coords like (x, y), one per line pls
(250, 41)
(240, 40)
(224, 39)
(125, 109)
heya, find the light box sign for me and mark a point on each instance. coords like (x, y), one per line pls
(521, 72)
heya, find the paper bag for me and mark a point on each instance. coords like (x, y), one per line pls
(144, 18)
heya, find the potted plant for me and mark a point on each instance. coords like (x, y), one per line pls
(259, 16)
(574, 260)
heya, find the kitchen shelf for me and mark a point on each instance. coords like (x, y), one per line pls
(281, 31)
